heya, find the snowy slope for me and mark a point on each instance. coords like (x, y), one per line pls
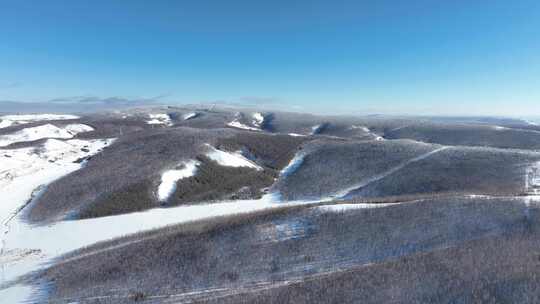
(237, 124)
(9, 120)
(23, 170)
(23, 173)
(44, 131)
(316, 129)
(228, 159)
(170, 177)
(191, 115)
(5, 123)
(258, 119)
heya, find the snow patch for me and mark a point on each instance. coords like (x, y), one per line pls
(316, 129)
(159, 119)
(237, 124)
(293, 165)
(189, 116)
(9, 120)
(296, 134)
(78, 128)
(5, 123)
(367, 130)
(258, 119)
(171, 177)
(44, 131)
(362, 128)
(235, 159)
(347, 207)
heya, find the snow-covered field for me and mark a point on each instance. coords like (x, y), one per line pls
(23, 173)
(44, 131)
(10, 120)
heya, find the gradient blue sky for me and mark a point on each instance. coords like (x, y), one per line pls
(414, 57)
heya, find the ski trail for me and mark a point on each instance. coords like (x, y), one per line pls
(345, 193)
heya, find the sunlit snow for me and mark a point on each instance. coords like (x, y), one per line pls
(24, 171)
(191, 115)
(159, 119)
(44, 131)
(258, 119)
(228, 159)
(8, 120)
(293, 165)
(316, 129)
(169, 178)
(347, 207)
(237, 124)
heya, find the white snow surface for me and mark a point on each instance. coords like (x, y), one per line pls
(293, 165)
(5, 123)
(296, 134)
(237, 124)
(258, 119)
(25, 169)
(367, 130)
(228, 159)
(44, 131)
(159, 119)
(78, 128)
(15, 294)
(316, 129)
(8, 120)
(191, 115)
(363, 128)
(170, 177)
(347, 207)
(23, 172)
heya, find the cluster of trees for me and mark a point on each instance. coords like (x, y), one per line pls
(245, 250)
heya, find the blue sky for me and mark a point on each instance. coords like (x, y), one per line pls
(399, 57)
